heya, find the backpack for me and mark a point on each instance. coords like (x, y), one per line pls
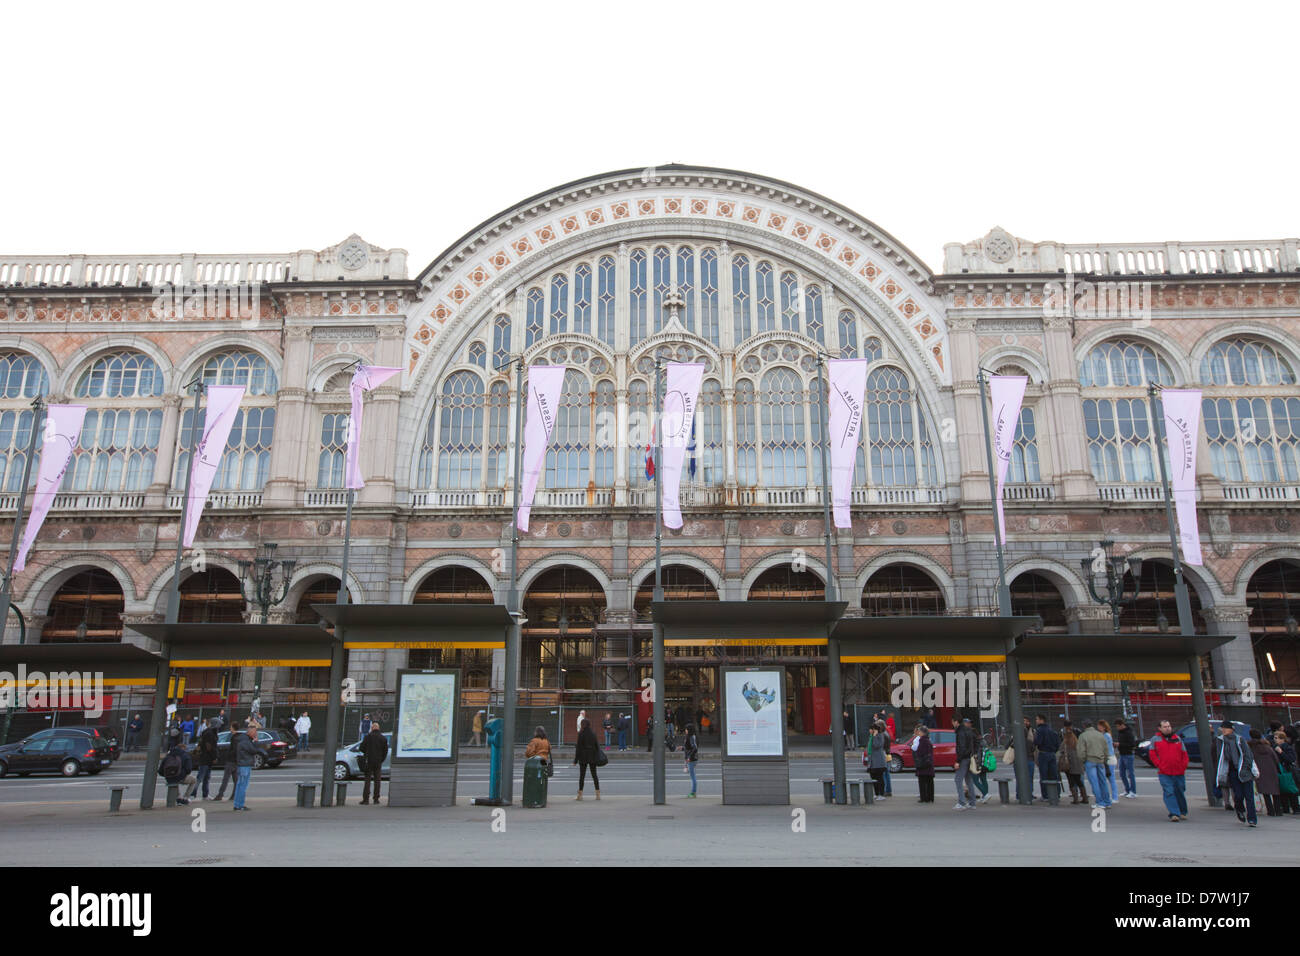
(990, 762)
(171, 767)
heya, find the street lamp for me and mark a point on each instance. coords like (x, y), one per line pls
(1115, 595)
(259, 576)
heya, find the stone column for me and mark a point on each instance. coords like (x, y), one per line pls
(1069, 439)
(1233, 662)
(290, 445)
(168, 452)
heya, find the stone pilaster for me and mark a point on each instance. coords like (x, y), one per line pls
(1233, 662)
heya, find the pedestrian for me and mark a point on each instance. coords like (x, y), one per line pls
(923, 761)
(582, 715)
(476, 739)
(624, 725)
(303, 727)
(699, 717)
(375, 750)
(1069, 760)
(691, 751)
(231, 768)
(886, 744)
(1268, 766)
(873, 757)
(246, 750)
(1169, 755)
(133, 733)
(187, 730)
(980, 775)
(1236, 771)
(176, 769)
(539, 746)
(668, 722)
(890, 727)
(649, 733)
(1126, 746)
(607, 725)
(585, 754)
(1047, 743)
(850, 736)
(223, 722)
(364, 727)
(1031, 759)
(1092, 751)
(962, 771)
(1288, 779)
(1112, 760)
(927, 718)
(207, 756)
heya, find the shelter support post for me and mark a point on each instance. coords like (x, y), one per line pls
(1016, 716)
(1203, 729)
(333, 716)
(157, 726)
(837, 720)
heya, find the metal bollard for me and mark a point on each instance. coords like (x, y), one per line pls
(1053, 790)
(868, 792)
(828, 789)
(1004, 791)
(855, 787)
(340, 792)
(306, 794)
(115, 798)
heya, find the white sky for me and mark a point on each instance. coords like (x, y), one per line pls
(271, 127)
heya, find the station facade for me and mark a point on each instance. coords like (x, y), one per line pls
(749, 275)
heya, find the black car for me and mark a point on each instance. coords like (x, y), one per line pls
(276, 743)
(68, 751)
(104, 733)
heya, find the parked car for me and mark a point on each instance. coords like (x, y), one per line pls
(106, 733)
(945, 752)
(276, 743)
(1191, 739)
(57, 750)
(347, 761)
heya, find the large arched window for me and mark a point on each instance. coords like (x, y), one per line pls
(533, 325)
(607, 297)
(746, 434)
(1117, 421)
(1251, 407)
(22, 378)
(559, 303)
(498, 433)
(1024, 451)
(765, 296)
(582, 299)
(568, 456)
(663, 281)
(606, 431)
(848, 334)
(740, 298)
(813, 323)
(500, 340)
(636, 298)
(709, 323)
(246, 462)
(459, 436)
(899, 448)
(118, 447)
(333, 450)
(785, 452)
(709, 426)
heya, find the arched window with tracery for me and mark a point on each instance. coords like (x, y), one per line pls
(899, 447)
(765, 296)
(740, 298)
(709, 427)
(582, 299)
(118, 446)
(686, 285)
(246, 462)
(663, 281)
(848, 334)
(607, 293)
(1024, 450)
(22, 378)
(1117, 420)
(709, 322)
(639, 425)
(636, 297)
(568, 456)
(790, 302)
(500, 340)
(533, 324)
(746, 434)
(559, 303)
(458, 441)
(1251, 407)
(813, 324)
(785, 452)
(606, 430)
(498, 433)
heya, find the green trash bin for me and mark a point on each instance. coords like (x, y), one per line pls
(535, 781)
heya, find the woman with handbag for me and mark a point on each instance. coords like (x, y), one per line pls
(1268, 783)
(691, 751)
(1112, 758)
(923, 761)
(587, 755)
(1287, 776)
(874, 757)
(539, 746)
(1068, 759)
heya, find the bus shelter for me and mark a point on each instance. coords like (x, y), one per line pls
(1123, 657)
(939, 640)
(755, 757)
(425, 775)
(71, 676)
(237, 645)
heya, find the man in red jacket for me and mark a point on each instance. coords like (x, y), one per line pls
(1170, 757)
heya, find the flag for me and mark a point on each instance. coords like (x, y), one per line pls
(545, 383)
(650, 457)
(62, 429)
(1008, 393)
(1182, 408)
(691, 450)
(365, 378)
(223, 405)
(677, 422)
(848, 390)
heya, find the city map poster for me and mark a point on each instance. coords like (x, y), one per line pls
(426, 712)
(755, 713)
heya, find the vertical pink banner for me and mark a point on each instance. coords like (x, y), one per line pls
(364, 379)
(680, 399)
(1182, 430)
(545, 383)
(223, 405)
(848, 390)
(1008, 393)
(62, 429)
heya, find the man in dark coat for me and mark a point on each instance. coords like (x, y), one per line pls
(1047, 742)
(965, 739)
(175, 768)
(375, 750)
(207, 751)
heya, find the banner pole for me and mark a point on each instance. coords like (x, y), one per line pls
(515, 633)
(334, 706)
(831, 591)
(6, 588)
(1186, 627)
(657, 634)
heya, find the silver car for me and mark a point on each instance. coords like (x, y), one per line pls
(347, 761)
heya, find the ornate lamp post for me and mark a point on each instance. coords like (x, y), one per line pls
(1115, 594)
(257, 584)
